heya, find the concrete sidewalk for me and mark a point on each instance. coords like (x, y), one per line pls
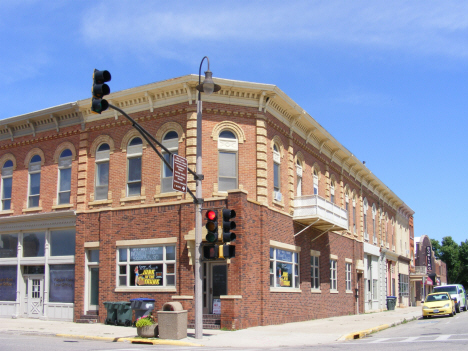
(319, 331)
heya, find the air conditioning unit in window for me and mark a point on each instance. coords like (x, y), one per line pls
(277, 196)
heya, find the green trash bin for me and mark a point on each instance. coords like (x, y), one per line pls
(111, 312)
(391, 302)
(124, 314)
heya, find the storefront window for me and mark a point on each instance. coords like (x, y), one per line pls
(150, 266)
(284, 268)
(8, 283)
(62, 283)
(62, 242)
(403, 284)
(33, 244)
(8, 245)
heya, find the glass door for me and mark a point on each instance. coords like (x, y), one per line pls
(35, 293)
(93, 297)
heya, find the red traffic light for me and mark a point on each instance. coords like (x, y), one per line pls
(211, 215)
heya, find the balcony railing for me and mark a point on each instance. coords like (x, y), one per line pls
(324, 214)
(420, 270)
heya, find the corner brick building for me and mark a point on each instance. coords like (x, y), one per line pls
(88, 214)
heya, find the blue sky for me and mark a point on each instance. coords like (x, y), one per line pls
(388, 79)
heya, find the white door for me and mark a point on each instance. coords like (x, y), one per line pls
(35, 291)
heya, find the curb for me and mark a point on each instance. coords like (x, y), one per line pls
(131, 340)
(363, 333)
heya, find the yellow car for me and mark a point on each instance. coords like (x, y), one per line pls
(438, 304)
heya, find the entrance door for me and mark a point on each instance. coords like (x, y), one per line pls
(214, 285)
(35, 291)
(93, 290)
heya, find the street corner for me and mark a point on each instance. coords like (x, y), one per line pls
(361, 334)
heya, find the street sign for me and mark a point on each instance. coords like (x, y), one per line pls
(179, 179)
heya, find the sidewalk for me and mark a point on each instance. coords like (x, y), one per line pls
(319, 331)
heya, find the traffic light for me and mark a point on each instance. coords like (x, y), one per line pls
(100, 89)
(211, 226)
(213, 252)
(228, 225)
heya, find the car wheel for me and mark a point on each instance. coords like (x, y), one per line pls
(424, 317)
(453, 313)
(458, 309)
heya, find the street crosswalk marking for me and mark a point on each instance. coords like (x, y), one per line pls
(413, 339)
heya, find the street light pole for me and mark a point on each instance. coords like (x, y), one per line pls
(208, 87)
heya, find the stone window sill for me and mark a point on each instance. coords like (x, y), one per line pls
(334, 292)
(6, 212)
(32, 209)
(59, 207)
(285, 290)
(123, 200)
(99, 202)
(315, 291)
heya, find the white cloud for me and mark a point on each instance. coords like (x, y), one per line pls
(421, 27)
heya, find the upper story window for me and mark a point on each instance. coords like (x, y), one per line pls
(101, 187)
(332, 191)
(171, 142)
(64, 165)
(365, 207)
(374, 231)
(354, 215)
(34, 189)
(134, 153)
(316, 183)
(299, 178)
(276, 171)
(227, 161)
(7, 182)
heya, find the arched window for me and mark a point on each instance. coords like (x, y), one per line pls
(171, 142)
(7, 182)
(354, 215)
(374, 231)
(299, 178)
(332, 191)
(227, 161)
(101, 187)
(347, 206)
(316, 182)
(134, 153)
(64, 188)
(276, 173)
(34, 189)
(364, 209)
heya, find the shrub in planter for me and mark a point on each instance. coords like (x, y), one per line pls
(147, 327)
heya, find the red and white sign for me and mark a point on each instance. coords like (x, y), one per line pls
(429, 281)
(179, 179)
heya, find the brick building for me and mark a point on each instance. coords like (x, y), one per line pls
(88, 210)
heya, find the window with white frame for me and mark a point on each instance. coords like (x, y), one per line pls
(364, 210)
(227, 161)
(299, 178)
(332, 191)
(7, 182)
(314, 272)
(276, 172)
(403, 282)
(34, 189)
(348, 276)
(333, 275)
(316, 182)
(146, 266)
(101, 187)
(64, 166)
(347, 207)
(354, 215)
(374, 231)
(284, 268)
(134, 153)
(171, 142)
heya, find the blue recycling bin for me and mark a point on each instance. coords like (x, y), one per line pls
(142, 306)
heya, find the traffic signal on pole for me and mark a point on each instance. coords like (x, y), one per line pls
(228, 225)
(100, 89)
(211, 226)
(213, 252)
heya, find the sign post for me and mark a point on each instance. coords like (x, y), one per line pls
(179, 178)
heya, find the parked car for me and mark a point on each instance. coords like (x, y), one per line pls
(437, 304)
(455, 290)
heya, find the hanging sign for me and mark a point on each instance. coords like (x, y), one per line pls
(429, 258)
(179, 179)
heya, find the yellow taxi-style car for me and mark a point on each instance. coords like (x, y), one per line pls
(437, 304)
